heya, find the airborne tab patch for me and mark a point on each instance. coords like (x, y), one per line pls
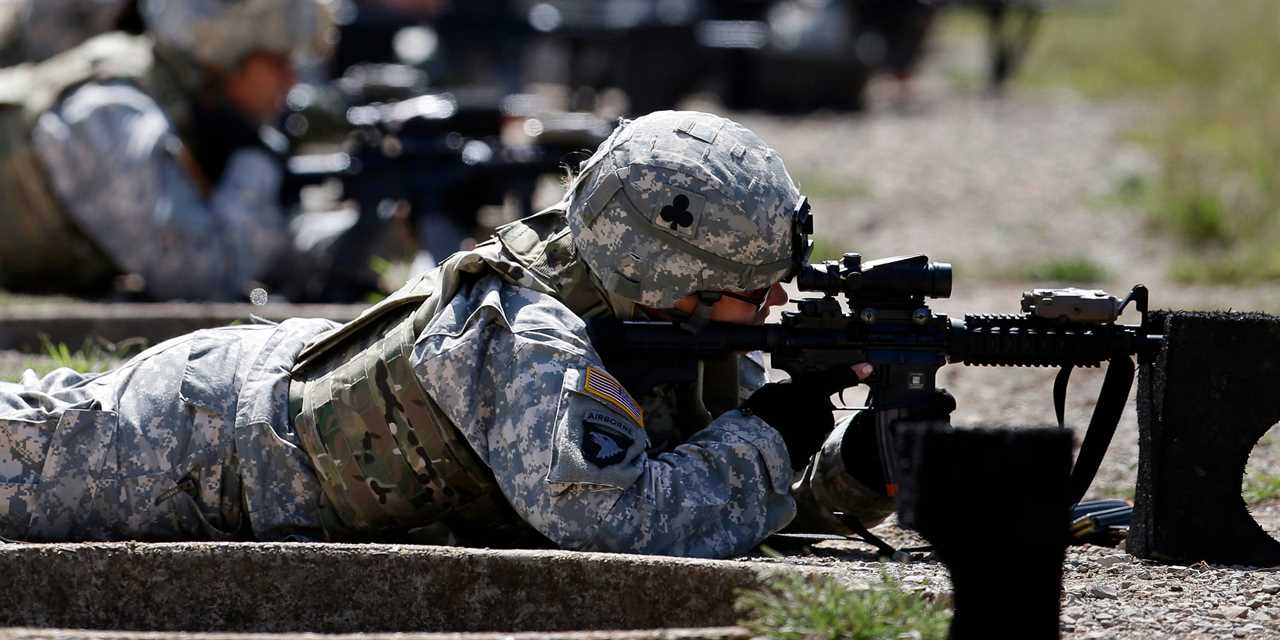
(604, 387)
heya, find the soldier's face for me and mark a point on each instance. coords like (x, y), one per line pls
(746, 307)
(259, 85)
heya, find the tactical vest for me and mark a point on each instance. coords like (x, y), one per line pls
(390, 463)
(41, 246)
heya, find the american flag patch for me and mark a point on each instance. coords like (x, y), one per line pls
(601, 385)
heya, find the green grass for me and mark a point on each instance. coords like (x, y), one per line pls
(827, 186)
(800, 608)
(1211, 77)
(1069, 270)
(1125, 490)
(1261, 487)
(823, 250)
(91, 357)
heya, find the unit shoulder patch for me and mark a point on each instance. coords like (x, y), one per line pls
(604, 442)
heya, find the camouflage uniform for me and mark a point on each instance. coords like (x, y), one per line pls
(188, 440)
(96, 166)
(115, 160)
(493, 346)
(469, 407)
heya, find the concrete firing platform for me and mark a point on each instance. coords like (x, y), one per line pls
(25, 327)
(334, 588)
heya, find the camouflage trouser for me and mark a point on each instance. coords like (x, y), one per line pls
(149, 451)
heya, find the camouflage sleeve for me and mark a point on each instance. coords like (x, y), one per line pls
(824, 487)
(515, 371)
(116, 163)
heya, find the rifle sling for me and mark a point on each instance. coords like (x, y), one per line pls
(853, 523)
(1102, 424)
(884, 548)
(1060, 393)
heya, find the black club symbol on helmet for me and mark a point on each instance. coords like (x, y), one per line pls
(677, 213)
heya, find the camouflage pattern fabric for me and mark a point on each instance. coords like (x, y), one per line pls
(681, 201)
(507, 362)
(508, 366)
(191, 440)
(115, 162)
(43, 247)
(188, 440)
(825, 487)
(503, 353)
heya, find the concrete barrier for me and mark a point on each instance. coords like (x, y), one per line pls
(1203, 403)
(334, 588)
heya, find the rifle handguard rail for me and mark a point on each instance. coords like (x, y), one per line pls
(1024, 341)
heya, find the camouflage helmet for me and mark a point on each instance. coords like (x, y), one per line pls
(220, 33)
(678, 202)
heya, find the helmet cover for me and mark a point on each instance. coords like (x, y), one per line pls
(677, 202)
(221, 33)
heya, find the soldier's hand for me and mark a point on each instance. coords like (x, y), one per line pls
(801, 409)
(226, 132)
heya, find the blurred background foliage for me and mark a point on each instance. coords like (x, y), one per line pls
(1208, 73)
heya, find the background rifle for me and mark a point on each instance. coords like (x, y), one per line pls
(442, 157)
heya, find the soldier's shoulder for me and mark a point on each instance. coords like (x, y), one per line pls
(518, 310)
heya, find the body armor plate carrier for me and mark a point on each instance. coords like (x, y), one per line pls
(391, 464)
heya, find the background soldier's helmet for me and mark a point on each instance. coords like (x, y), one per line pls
(220, 33)
(680, 201)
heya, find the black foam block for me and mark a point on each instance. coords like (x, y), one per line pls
(1203, 403)
(994, 503)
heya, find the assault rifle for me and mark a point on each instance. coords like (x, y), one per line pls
(437, 158)
(445, 153)
(886, 321)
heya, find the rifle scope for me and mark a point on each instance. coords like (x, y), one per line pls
(896, 277)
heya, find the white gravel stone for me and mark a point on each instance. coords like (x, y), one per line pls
(1233, 612)
(1111, 561)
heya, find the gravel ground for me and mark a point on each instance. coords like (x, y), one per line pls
(993, 186)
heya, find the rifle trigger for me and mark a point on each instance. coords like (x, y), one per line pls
(1060, 394)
